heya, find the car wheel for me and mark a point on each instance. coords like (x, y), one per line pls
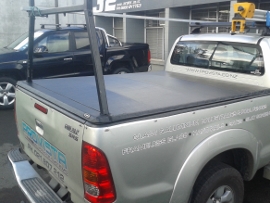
(7, 93)
(121, 71)
(219, 183)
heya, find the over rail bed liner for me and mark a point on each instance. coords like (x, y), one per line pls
(134, 96)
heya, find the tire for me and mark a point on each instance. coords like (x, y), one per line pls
(7, 93)
(121, 71)
(218, 183)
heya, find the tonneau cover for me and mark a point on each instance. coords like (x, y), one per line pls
(137, 95)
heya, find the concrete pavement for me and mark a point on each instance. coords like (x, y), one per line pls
(9, 190)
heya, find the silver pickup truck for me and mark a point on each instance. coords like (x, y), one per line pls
(192, 133)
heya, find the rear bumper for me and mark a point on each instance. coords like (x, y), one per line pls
(35, 189)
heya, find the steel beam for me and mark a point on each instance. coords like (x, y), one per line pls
(58, 10)
(101, 90)
(29, 70)
(56, 15)
(251, 25)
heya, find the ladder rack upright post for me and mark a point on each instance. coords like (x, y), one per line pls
(100, 84)
(29, 70)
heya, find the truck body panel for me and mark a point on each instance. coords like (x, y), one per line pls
(40, 140)
(159, 156)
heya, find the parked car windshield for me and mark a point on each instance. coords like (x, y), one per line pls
(21, 43)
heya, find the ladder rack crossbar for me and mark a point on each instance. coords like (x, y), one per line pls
(57, 10)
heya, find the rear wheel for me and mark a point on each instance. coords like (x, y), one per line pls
(121, 71)
(7, 93)
(219, 183)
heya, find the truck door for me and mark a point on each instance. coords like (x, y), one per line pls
(52, 56)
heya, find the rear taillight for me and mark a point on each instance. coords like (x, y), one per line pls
(149, 56)
(97, 178)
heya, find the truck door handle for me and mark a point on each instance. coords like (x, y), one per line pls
(67, 59)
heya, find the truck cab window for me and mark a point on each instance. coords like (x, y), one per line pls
(21, 43)
(231, 57)
(193, 53)
(57, 42)
(82, 40)
(53, 43)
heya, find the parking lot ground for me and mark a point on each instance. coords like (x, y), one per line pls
(12, 195)
(257, 190)
(9, 190)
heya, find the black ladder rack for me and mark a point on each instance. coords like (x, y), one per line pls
(248, 26)
(90, 25)
(69, 24)
(42, 26)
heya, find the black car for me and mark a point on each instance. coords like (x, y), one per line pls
(65, 52)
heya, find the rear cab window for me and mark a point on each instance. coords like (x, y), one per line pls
(82, 40)
(231, 57)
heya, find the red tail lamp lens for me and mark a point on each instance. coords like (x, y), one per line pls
(98, 182)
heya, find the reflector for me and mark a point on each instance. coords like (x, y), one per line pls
(41, 108)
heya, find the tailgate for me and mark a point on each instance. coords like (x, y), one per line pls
(52, 140)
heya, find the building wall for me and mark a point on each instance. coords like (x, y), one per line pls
(133, 30)
(106, 23)
(14, 21)
(122, 6)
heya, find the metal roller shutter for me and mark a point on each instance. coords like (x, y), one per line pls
(118, 28)
(155, 39)
(155, 36)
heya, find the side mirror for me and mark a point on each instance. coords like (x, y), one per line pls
(40, 49)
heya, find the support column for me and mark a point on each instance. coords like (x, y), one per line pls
(134, 30)
(231, 10)
(31, 42)
(175, 29)
(56, 15)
